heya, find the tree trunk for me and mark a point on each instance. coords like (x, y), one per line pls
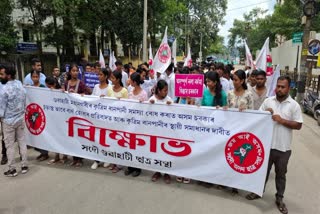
(57, 42)
(113, 43)
(68, 33)
(102, 39)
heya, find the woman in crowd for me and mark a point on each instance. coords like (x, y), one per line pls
(35, 77)
(74, 85)
(161, 97)
(52, 83)
(240, 97)
(137, 93)
(118, 91)
(103, 89)
(213, 95)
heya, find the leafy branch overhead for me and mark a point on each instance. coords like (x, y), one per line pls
(256, 25)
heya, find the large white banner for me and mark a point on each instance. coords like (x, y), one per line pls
(229, 148)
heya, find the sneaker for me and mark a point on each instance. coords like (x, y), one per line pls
(106, 165)
(11, 173)
(95, 165)
(24, 169)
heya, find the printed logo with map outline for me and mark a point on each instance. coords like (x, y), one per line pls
(244, 153)
(164, 53)
(35, 119)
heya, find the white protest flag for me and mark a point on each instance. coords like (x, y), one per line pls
(261, 60)
(174, 52)
(162, 58)
(249, 60)
(150, 60)
(272, 82)
(101, 60)
(188, 60)
(150, 56)
(112, 61)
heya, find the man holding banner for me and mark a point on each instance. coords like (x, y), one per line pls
(286, 113)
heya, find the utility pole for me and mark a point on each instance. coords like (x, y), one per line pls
(310, 9)
(200, 53)
(301, 84)
(145, 29)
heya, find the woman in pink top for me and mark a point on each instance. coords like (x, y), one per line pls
(137, 93)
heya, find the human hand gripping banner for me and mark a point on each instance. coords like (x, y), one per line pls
(229, 148)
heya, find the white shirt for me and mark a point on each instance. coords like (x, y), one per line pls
(148, 85)
(170, 80)
(225, 84)
(288, 109)
(28, 81)
(97, 91)
(124, 79)
(163, 101)
(231, 86)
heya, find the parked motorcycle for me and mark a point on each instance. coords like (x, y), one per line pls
(311, 103)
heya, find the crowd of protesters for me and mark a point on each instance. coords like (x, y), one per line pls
(224, 88)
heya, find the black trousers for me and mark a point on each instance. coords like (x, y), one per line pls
(4, 150)
(280, 161)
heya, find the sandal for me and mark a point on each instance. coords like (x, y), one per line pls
(78, 164)
(234, 191)
(252, 196)
(281, 206)
(156, 176)
(111, 166)
(167, 178)
(73, 163)
(179, 179)
(64, 159)
(53, 161)
(186, 180)
(115, 169)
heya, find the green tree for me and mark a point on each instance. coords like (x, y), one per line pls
(39, 11)
(8, 37)
(254, 28)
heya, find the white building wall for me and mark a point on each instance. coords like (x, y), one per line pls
(286, 55)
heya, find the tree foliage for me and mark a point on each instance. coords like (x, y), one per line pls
(187, 20)
(8, 36)
(256, 26)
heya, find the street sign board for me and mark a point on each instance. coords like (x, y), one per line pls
(314, 47)
(27, 47)
(297, 37)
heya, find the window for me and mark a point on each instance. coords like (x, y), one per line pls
(26, 35)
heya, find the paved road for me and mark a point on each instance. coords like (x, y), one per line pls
(61, 189)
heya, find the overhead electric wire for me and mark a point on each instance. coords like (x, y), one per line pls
(250, 5)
